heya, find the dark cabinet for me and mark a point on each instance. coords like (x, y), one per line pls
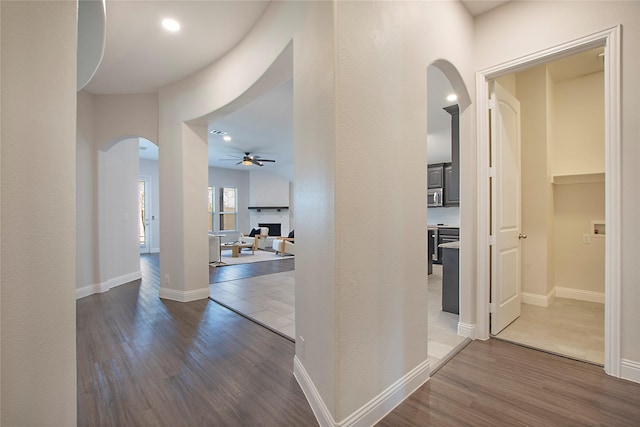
(435, 176)
(450, 280)
(451, 187)
(446, 235)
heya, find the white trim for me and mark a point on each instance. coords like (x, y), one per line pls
(184, 296)
(630, 370)
(610, 38)
(580, 295)
(537, 299)
(85, 291)
(155, 250)
(371, 412)
(467, 330)
(98, 288)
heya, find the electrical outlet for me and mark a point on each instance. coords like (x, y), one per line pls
(166, 279)
(586, 239)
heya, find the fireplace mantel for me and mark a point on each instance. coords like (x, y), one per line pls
(260, 208)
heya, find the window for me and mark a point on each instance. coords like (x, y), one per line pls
(229, 209)
(212, 206)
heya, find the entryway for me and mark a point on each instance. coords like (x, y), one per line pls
(568, 214)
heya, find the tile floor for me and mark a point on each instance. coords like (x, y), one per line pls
(270, 300)
(567, 327)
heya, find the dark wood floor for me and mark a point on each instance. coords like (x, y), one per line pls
(494, 383)
(244, 271)
(143, 361)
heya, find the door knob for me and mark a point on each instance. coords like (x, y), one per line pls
(522, 236)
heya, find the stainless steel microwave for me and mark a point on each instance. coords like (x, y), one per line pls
(434, 197)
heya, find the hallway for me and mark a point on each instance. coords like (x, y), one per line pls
(150, 362)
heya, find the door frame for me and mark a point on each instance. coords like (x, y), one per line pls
(610, 39)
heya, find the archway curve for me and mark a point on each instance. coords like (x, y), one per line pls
(106, 146)
(457, 83)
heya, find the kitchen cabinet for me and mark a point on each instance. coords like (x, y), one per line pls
(451, 278)
(435, 176)
(451, 187)
(446, 235)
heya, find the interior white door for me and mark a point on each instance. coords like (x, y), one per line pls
(144, 230)
(505, 209)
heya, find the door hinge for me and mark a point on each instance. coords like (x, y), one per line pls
(492, 240)
(492, 103)
(492, 307)
(492, 172)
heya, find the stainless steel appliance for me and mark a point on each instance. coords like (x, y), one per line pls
(434, 197)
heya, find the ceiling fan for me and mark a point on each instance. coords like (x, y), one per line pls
(248, 160)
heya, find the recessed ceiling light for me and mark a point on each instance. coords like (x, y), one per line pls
(226, 138)
(217, 132)
(452, 97)
(171, 25)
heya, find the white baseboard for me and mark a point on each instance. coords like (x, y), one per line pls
(579, 294)
(98, 288)
(467, 330)
(537, 299)
(630, 370)
(85, 291)
(374, 410)
(184, 296)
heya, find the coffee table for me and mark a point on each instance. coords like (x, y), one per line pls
(236, 248)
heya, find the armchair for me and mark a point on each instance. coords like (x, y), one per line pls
(257, 237)
(284, 245)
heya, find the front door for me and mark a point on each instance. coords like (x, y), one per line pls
(505, 208)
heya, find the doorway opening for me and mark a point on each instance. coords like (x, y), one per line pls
(444, 103)
(494, 274)
(562, 228)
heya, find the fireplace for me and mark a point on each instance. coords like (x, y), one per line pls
(274, 229)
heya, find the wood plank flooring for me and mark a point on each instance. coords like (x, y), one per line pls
(143, 361)
(493, 383)
(245, 271)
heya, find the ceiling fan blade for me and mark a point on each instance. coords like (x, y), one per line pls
(239, 163)
(256, 162)
(222, 160)
(266, 160)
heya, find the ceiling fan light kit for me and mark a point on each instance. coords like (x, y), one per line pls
(248, 160)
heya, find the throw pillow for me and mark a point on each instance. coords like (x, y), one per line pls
(291, 234)
(254, 232)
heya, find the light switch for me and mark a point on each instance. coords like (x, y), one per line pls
(586, 239)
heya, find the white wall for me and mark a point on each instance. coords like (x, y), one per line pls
(37, 207)
(519, 28)
(118, 214)
(363, 313)
(578, 130)
(149, 168)
(578, 147)
(537, 216)
(87, 260)
(267, 189)
(103, 121)
(439, 146)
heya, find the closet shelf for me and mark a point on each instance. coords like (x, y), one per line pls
(578, 178)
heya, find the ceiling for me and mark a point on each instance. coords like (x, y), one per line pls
(140, 57)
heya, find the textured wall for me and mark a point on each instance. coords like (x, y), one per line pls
(38, 376)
